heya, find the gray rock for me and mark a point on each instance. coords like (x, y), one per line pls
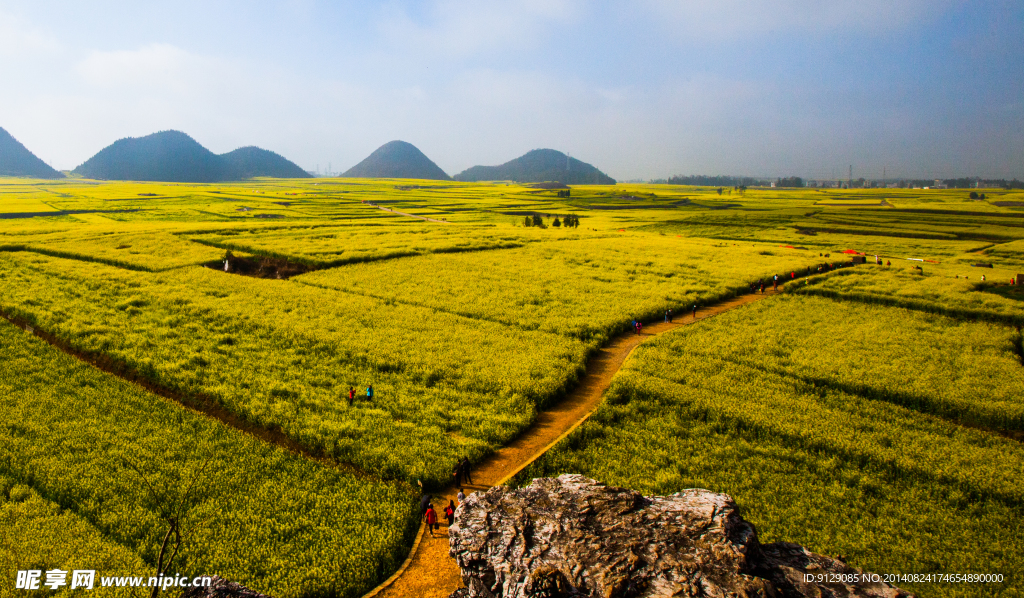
(572, 536)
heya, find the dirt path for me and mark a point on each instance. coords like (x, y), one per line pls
(429, 572)
(407, 214)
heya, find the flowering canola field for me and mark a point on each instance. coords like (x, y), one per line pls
(888, 393)
(826, 437)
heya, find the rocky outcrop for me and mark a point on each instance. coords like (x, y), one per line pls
(221, 588)
(572, 536)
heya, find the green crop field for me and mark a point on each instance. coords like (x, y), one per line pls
(872, 411)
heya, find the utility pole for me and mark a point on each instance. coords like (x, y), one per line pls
(850, 182)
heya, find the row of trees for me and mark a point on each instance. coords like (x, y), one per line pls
(737, 182)
(570, 221)
(704, 180)
(968, 183)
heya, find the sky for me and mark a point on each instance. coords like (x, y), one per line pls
(642, 90)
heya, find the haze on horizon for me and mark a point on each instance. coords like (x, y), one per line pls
(921, 88)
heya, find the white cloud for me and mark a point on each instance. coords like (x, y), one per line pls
(19, 39)
(155, 67)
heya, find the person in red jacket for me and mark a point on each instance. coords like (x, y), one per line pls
(431, 516)
(449, 513)
(351, 395)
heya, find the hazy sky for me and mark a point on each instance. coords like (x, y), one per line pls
(640, 89)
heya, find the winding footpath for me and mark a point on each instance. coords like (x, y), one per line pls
(429, 572)
(406, 213)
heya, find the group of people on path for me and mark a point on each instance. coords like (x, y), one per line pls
(352, 394)
(430, 514)
(462, 471)
(758, 287)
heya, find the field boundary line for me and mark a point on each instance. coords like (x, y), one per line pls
(202, 405)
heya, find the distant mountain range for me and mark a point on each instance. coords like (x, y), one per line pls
(538, 166)
(173, 156)
(397, 160)
(16, 160)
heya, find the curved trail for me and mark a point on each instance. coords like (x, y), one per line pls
(429, 572)
(407, 214)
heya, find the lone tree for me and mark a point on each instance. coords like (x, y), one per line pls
(174, 508)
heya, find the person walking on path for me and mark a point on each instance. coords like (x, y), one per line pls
(457, 473)
(761, 282)
(431, 516)
(666, 316)
(351, 395)
(461, 496)
(775, 283)
(639, 326)
(670, 315)
(464, 466)
(449, 513)
(369, 393)
(694, 311)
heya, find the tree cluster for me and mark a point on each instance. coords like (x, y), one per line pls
(569, 221)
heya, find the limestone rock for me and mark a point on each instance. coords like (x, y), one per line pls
(574, 537)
